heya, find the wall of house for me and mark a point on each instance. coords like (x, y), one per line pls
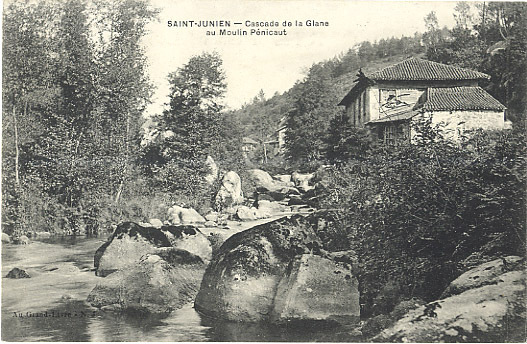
(371, 104)
(455, 123)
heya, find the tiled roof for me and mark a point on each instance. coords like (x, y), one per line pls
(416, 69)
(460, 98)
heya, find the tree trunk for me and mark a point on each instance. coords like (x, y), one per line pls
(125, 168)
(17, 152)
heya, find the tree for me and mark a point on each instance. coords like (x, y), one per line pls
(191, 127)
(124, 88)
(463, 15)
(307, 123)
(29, 91)
(344, 141)
(69, 97)
(496, 45)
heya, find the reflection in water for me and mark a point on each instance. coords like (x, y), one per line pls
(61, 280)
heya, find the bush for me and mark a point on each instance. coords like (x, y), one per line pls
(415, 213)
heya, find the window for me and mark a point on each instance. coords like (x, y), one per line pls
(364, 106)
(359, 108)
(389, 135)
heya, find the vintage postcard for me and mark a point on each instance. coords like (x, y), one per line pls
(270, 171)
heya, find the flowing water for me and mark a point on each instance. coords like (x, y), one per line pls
(50, 306)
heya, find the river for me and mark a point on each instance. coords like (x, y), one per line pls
(50, 306)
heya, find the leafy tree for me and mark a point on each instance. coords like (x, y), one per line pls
(496, 45)
(124, 89)
(192, 127)
(345, 141)
(307, 123)
(29, 91)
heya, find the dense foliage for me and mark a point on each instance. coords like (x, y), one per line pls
(492, 40)
(74, 91)
(193, 127)
(415, 213)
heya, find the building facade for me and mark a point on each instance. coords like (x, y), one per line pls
(387, 101)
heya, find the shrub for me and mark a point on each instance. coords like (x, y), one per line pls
(414, 213)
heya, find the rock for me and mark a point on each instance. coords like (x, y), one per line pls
(210, 224)
(130, 242)
(189, 238)
(262, 180)
(230, 193)
(22, 240)
(212, 217)
(296, 200)
(17, 273)
(265, 197)
(212, 175)
(271, 206)
(242, 280)
(152, 285)
(302, 180)
(484, 274)
(246, 214)
(156, 223)
(6, 238)
(264, 213)
(488, 313)
(277, 195)
(284, 178)
(290, 191)
(179, 215)
(317, 288)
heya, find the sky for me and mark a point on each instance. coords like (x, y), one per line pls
(274, 63)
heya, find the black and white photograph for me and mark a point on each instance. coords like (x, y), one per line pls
(264, 171)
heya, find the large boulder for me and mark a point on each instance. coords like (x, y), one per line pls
(131, 241)
(262, 180)
(230, 193)
(272, 207)
(317, 288)
(179, 215)
(157, 283)
(484, 274)
(244, 213)
(213, 170)
(242, 280)
(492, 312)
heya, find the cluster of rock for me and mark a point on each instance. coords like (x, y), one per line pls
(267, 195)
(19, 239)
(278, 271)
(485, 304)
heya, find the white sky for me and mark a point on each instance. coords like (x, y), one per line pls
(275, 63)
